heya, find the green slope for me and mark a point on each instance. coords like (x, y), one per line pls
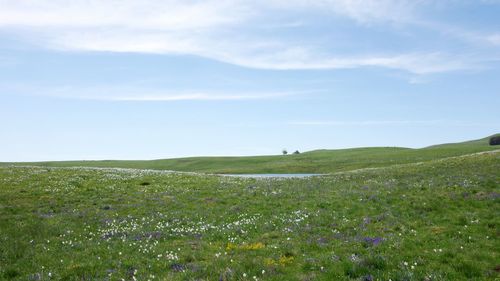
(318, 161)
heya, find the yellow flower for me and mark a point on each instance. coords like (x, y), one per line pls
(252, 246)
(269, 262)
(285, 260)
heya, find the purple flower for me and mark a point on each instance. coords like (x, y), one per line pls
(373, 240)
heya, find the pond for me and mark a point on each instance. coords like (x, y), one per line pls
(271, 175)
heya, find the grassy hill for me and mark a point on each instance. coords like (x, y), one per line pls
(317, 161)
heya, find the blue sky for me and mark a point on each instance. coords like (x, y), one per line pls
(94, 79)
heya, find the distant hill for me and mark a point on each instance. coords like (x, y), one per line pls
(317, 161)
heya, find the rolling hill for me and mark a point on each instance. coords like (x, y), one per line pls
(317, 161)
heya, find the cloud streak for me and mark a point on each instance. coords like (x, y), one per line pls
(133, 94)
(369, 123)
(218, 30)
(195, 96)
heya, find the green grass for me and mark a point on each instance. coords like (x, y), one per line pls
(436, 220)
(318, 161)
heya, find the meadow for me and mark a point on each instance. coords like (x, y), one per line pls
(429, 220)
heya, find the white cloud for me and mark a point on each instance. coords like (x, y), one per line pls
(366, 11)
(144, 14)
(210, 29)
(133, 93)
(388, 123)
(300, 58)
(362, 11)
(362, 123)
(186, 96)
(494, 39)
(187, 14)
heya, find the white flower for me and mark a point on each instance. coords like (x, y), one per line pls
(244, 275)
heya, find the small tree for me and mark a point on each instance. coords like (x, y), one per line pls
(285, 152)
(296, 152)
(495, 140)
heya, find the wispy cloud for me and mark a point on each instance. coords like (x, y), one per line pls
(195, 96)
(213, 29)
(494, 39)
(389, 123)
(302, 58)
(132, 93)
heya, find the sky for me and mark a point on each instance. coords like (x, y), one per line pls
(150, 79)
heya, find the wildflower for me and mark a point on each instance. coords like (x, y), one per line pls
(284, 260)
(244, 275)
(405, 263)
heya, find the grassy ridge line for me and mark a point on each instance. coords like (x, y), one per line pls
(160, 172)
(318, 161)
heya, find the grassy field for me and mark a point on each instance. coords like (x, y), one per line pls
(436, 220)
(319, 161)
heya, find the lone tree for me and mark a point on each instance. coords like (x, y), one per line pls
(296, 152)
(285, 152)
(495, 140)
